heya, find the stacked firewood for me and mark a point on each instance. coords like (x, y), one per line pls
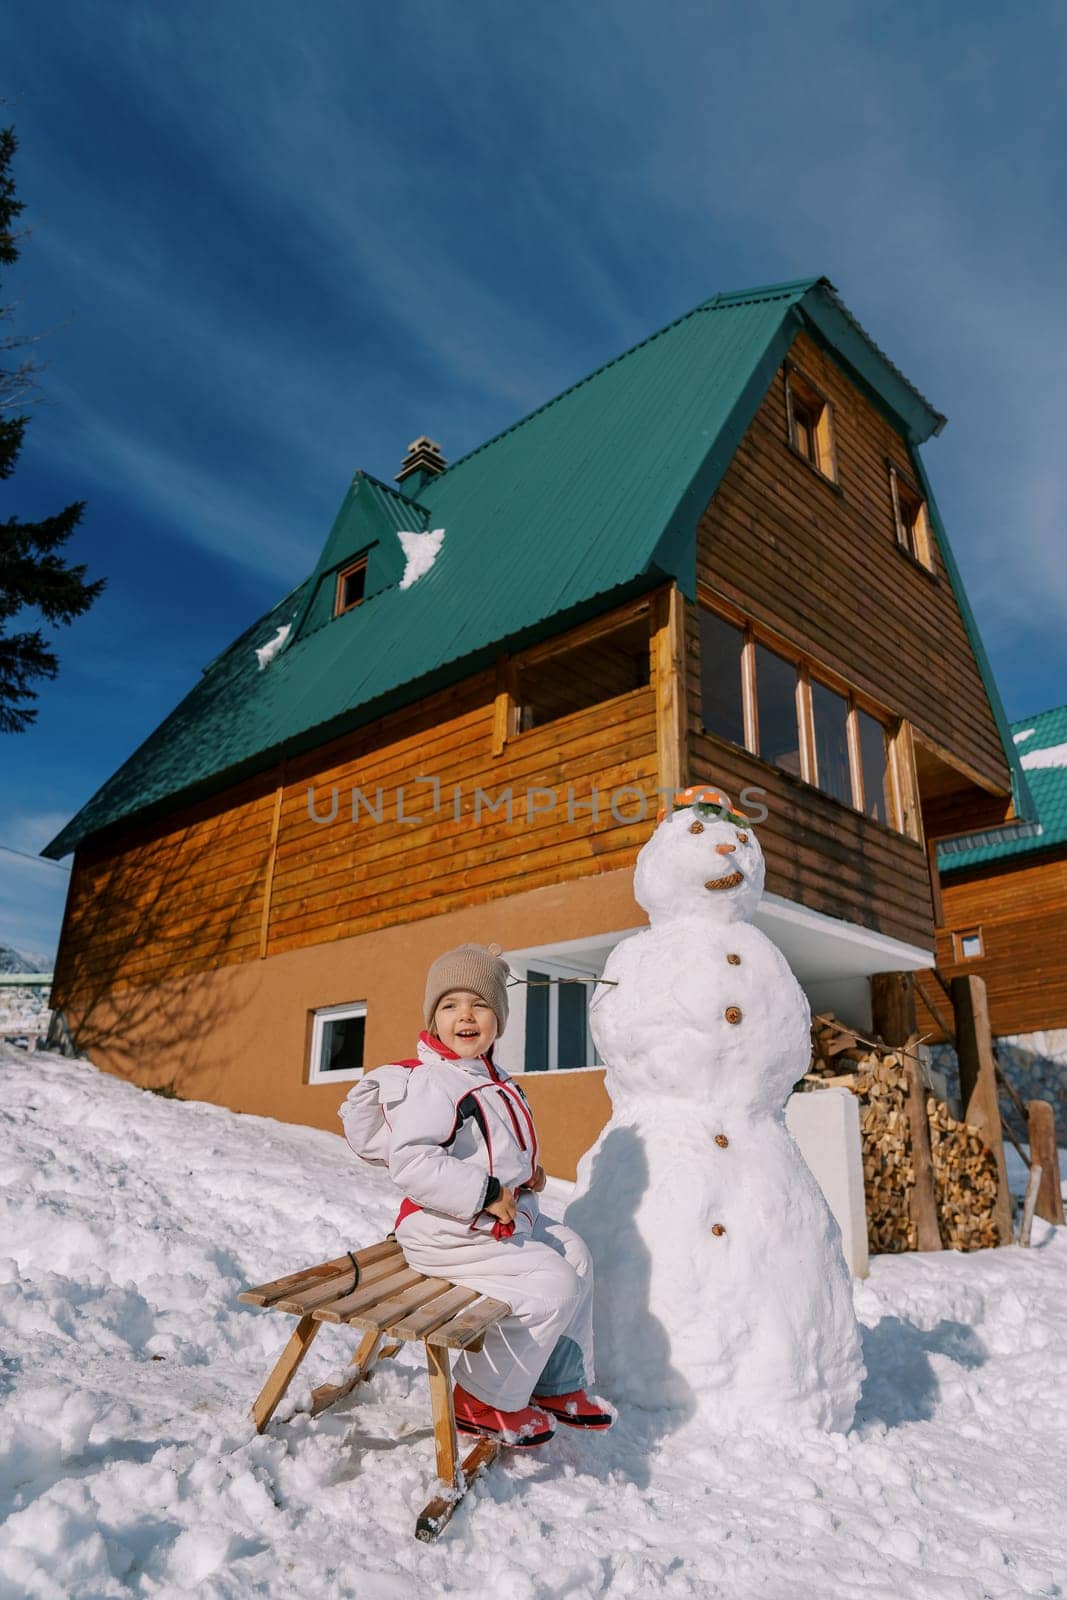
(965, 1174)
(965, 1182)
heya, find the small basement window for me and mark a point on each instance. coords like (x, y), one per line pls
(909, 513)
(337, 1037)
(351, 586)
(556, 685)
(811, 426)
(968, 944)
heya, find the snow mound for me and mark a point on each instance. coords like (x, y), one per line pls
(129, 1465)
(421, 550)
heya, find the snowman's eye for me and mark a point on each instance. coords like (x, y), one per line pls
(696, 827)
(743, 837)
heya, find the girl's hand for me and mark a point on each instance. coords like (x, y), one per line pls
(537, 1182)
(503, 1206)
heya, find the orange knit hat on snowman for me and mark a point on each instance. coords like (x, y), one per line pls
(703, 795)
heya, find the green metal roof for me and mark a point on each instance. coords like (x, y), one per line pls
(1041, 743)
(591, 498)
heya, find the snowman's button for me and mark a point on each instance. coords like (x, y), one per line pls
(718, 1230)
(734, 960)
(733, 1013)
(721, 1140)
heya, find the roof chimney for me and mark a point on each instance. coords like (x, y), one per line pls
(424, 457)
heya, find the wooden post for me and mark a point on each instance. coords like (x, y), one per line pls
(504, 706)
(1043, 1151)
(671, 688)
(978, 1083)
(1033, 1184)
(893, 1017)
(272, 856)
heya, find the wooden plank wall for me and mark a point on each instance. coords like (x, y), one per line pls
(248, 874)
(180, 896)
(1021, 909)
(823, 568)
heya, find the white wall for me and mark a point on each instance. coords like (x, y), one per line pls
(826, 1126)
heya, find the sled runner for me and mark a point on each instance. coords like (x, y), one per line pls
(375, 1289)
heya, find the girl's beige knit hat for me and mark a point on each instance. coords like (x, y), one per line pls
(476, 967)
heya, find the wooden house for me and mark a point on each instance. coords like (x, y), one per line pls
(1004, 898)
(716, 558)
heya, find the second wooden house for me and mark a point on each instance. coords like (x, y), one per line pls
(1004, 919)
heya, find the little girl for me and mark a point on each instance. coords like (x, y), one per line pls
(464, 1150)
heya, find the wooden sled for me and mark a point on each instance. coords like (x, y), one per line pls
(376, 1290)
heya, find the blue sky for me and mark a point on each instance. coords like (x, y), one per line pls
(274, 245)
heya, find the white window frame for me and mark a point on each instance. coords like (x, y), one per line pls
(961, 938)
(320, 1017)
(567, 959)
(553, 967)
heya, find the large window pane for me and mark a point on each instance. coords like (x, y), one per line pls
(830, 711)
(571, 1033)
(720, 677)
(875, 768)
(776, 693)
(537, 1001)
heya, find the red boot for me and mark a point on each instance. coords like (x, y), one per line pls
(576, 1409)
(519, 1428)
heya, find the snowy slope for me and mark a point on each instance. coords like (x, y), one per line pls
(129, 1465)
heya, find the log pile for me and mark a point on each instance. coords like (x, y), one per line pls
(965, 1179)
(965, 1173)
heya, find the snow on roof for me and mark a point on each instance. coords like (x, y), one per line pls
(266, 652)
(1054, 756)
(421, 549)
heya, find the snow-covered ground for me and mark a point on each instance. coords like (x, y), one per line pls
(129, 1464)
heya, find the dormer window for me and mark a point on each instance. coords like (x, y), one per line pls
(811, 424)
(909, 513)
(351, 586)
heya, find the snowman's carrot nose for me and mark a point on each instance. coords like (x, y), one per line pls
(725, 849)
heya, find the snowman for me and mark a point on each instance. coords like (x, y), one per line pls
(721, 1288)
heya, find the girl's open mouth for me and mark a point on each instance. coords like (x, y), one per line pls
(731, 881)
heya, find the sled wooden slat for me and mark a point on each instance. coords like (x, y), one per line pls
(428, 1318)
(353, 1304)
(390, 1301)
(336, 1289)
(265, 1294)
(462, 1332)
(392, 1311)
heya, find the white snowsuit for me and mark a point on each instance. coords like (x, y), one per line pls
(460, 1123)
